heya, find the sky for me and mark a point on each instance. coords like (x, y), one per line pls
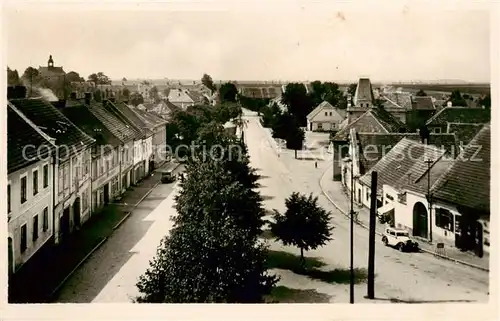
(280, 41)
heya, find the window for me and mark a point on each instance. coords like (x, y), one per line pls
(326, 113)
(23, 189)
(101, 166)
(35, 228)
(389, 197)
(444, 219)
(437, 130)
(66, 177)
(331, 114)
(94, 169)
(367, 195)
(320, 125)
(23, 238)
(35, 182)
(85, 201)
(61, 180)
(8, 199)
(45, 175)
(45, 217)
(87, 165)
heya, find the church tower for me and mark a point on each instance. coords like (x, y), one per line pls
(51, 62)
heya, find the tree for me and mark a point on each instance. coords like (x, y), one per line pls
(99, 79)
(31, 76)
(126, 92)
(13, 77)
(298, 102)
(98, 95)
(73, 76)
(485, 101)
(457, 99)
(208, 82)
(136, 99)
(281, 125)
(352, 89)
(210, 256)
(124, 79)
(421, 93)
(228, 92)
(295, 138)
(153, 94)
(327, 91)
(304, 224)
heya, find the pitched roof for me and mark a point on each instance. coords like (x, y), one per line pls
(365, 123)
(51, 71)
(150, 119)
(407, 157)
(83, 117)
(114, 123)
(53, 123)
(464, 132)
(422, 103)
(397, 100)
(179, 96)
(467, 181)
(460, 115)
(318, 109)
(364, 91)
(391, 123)
(129, 115)
(19, 134)
(261, 91)
(374, 146)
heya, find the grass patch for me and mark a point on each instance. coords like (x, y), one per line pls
(291, 262)
(283, 294)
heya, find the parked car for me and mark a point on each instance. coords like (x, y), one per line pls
(399, 239)
(167, 176)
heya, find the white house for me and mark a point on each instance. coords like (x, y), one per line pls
(30, 184)
(325, 117)
(72, 165)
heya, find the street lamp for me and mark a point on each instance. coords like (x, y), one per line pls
(351, 283)
(429, 196)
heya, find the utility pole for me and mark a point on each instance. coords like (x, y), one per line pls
(371, 244)
(351, 283)
(429, 196)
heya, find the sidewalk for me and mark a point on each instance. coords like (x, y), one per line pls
(335, 192)
(42, 275)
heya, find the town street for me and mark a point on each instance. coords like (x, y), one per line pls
(416, 277)
(111, 273)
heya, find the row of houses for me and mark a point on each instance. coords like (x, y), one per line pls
(68, 159)
(434, 182)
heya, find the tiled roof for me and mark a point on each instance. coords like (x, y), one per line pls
(397, 100)
(261, 92)
(365, 123)
(132, 117)
(150, 119)
(364, 91)
(83, 117)
(407, 157)
(464, 132)
(422, 103)
(179, 96)
(467, 182)
(391, 123)
(460, 115)
(195, 96)
(374, 146)
(115, 124)
(51, 71)
(53, 123)
(20, 134)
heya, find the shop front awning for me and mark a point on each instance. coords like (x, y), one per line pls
(386, 208)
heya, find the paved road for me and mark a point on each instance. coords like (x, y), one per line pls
(403, 276)
(111, 272)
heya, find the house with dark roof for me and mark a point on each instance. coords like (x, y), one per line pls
(453, 115)
(72, 163)
(437, 197)
(374, 120)
(106, 166)
(159, 141)
(30, 188)
(143, 147)
(51, 72)
(325, 117)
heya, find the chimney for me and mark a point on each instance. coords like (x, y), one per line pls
(424, 135)
(14, 92)
(449, 104)
(88, 98)
(59, 104)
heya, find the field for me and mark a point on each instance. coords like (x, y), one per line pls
(474, 89)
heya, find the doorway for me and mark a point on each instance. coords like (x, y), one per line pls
(64, 223)
(106, 194)
(76, 212)
(420, 220)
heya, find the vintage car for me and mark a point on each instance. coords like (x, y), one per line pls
(399, 239)
(167, 176)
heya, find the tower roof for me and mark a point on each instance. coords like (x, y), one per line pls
(364, 92)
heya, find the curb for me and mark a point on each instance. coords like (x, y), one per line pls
(380, 234)
(104, 239)
(271, 140)
(78, 266)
